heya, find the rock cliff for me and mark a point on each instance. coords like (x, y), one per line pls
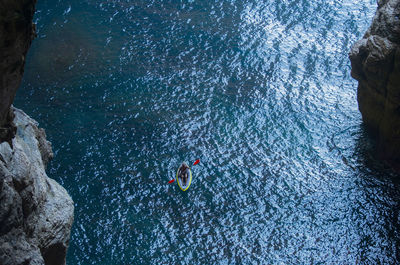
(16, 34)
(375, 62)
(36, 213)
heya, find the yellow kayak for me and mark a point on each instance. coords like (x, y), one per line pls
(180, 182)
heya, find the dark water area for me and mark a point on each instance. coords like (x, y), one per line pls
(260, 91)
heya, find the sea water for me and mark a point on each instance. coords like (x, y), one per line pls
(259, 91)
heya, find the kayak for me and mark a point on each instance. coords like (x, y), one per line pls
(180, 182)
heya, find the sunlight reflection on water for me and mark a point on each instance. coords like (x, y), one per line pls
(259, 91)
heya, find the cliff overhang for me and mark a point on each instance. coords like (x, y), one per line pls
(36, 213)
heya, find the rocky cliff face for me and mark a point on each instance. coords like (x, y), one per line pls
(375, 62)
(16, 34)
(36, 213)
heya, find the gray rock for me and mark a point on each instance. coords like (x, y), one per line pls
(375, 63)
(36, 213)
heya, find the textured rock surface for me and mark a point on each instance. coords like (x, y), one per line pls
(36, 213)
(375, 62)
(16, 34)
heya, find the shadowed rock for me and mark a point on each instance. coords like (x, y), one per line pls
(375, 62)
(16, 34)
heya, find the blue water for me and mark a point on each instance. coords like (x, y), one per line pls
(260, 91)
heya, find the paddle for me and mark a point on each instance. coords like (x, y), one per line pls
(195, 163)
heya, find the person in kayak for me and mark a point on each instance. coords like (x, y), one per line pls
(183, 173)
